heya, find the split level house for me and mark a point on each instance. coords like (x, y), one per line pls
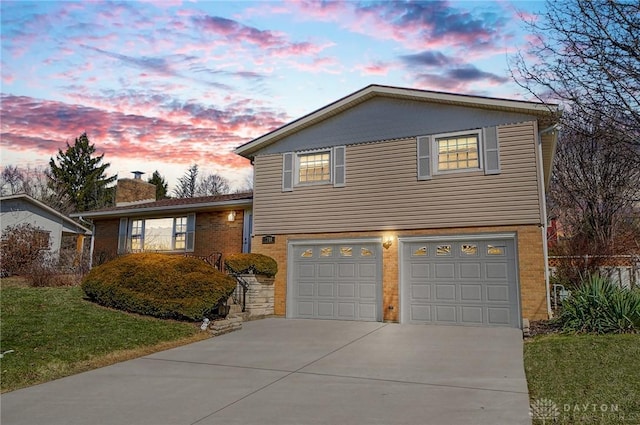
(413, 206)
(209, 227)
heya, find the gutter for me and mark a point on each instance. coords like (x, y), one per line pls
(545, 247)
(216, 205)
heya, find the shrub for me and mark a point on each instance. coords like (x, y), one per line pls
(599, 306)
(251, 263)
(22, 246)
(159, 285)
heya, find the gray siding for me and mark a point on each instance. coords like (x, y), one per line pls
(383, 118)
(382, 191)
(15, 212)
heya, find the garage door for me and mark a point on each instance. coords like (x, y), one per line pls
(335, 281)
(465, 282)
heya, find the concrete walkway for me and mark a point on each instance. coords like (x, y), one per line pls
(284, 371)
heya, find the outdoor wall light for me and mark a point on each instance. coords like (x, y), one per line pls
(231, 216)
(387, 242)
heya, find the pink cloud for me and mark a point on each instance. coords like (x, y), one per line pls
(191, 133)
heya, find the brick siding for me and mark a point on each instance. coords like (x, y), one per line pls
(213, 234)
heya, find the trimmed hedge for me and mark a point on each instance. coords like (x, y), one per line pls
(159, 285)
(251, 263)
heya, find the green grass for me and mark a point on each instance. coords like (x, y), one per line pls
(54, 332)
(592, 379)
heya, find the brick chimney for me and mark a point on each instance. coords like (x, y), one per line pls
(134, 191)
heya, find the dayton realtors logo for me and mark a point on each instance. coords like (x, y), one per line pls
(545, 410)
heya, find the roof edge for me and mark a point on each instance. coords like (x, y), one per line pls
(46, 208)
(166, 208)
(246, 150)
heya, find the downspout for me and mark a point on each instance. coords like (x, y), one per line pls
(91, 245)
(545, 247)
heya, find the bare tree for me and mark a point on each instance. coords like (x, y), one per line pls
(12, 180)
(586, 55)
(34, 182)
(595, 187)
(212, 184)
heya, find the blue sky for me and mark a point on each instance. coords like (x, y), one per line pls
(160, 85)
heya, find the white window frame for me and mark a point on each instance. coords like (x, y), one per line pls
(141, 235)
(312, 152)
(435, 153)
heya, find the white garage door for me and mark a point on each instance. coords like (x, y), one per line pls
(335, 281)
(460, 281)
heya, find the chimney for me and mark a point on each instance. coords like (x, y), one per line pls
(134, 191)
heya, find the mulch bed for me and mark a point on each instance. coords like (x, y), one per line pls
(544, 327)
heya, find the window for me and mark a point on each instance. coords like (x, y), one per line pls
(314, 167)
(180, 233)
(136, 235)
(157, 234)
(472, 150)
(457, 151)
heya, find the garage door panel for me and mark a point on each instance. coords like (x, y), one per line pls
(347, 290)
(336, 281)
(306, 271)
(471, 292)
(421, 292)
(497, 293)
(471, 314)
(346, 310)
(367, 291)
(471, 271)
(446, 313)
(419, 271)
(305, 309)
(346, 270)
(420, 313)
(445, 292)
(496, 271)
(470, 282)
(305, 289)
(326, 289)
(498, 316)
(326, 270)
(325, 309)
(367, 270)
(367, 311)
(445, 271)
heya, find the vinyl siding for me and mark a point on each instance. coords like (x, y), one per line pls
(382, 191)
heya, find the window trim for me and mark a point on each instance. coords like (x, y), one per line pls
(436, 154)
(125, 237)
(296, 166)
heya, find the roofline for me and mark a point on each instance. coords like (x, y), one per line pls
(46, 208)
(246, 150)
(215, 205)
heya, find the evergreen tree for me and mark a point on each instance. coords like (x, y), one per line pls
(81, 176)
(162, 186)
(188, 183)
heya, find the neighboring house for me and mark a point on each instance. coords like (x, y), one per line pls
(56, 227)
(407, 205)
(200, 226)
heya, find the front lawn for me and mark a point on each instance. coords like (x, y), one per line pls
(584, 379)
(54, 332)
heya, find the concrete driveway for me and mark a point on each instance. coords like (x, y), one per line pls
(284, 371)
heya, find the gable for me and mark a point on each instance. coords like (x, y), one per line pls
(386, 118)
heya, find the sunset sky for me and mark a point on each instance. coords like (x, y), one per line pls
(160, 85)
